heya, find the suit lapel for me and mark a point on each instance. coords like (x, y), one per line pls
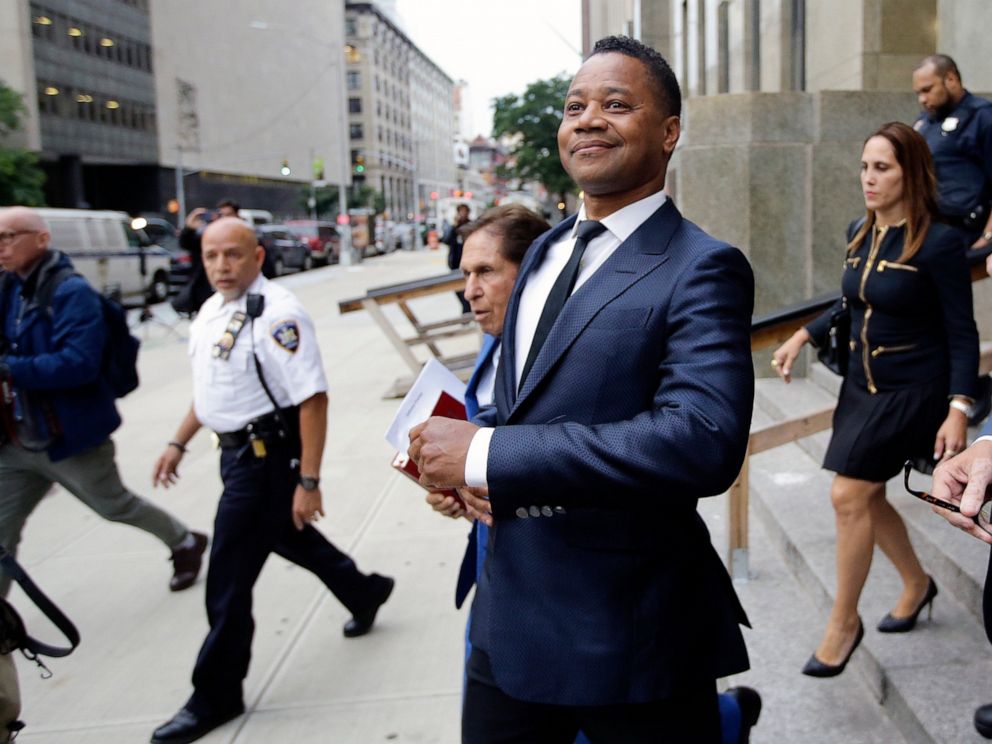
(471, 390)
(635, 258)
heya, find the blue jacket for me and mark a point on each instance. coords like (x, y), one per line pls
(600, 585)
(57, 358)
(475, 553)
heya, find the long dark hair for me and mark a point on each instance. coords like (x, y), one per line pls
(919, 187)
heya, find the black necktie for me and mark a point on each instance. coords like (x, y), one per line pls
(586, 231)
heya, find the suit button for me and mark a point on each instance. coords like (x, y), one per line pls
(534, 511)
(522, 513)
(559, 510)
(546, 511)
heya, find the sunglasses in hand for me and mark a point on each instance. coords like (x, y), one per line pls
(983, 519)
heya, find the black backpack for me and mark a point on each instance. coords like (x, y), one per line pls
(120, 353)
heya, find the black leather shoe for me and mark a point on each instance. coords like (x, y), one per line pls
(749, 701)
(361, 623)
(983, 720)
(892, 624)
(816, 668)
(187, 726)
(186, 563)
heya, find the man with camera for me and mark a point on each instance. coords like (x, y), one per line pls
(197, 288)
(261, 387)
(58, 409)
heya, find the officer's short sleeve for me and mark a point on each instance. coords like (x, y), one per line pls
(292, 355)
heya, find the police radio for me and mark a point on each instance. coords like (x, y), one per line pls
(254, 305)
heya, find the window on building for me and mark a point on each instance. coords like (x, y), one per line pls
(357, 132)
(354, 80)
(798, 45)
(350, 26)
(354, 105)
(723, 47)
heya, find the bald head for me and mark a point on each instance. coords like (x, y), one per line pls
(24, 239)
(232, 256)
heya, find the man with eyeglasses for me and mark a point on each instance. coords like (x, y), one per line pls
(963, 481)
(57, 411)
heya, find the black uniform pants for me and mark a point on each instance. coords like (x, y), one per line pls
(254, 519)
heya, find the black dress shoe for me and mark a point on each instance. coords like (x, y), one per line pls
(361, 623)
(749, 702)
(186, 563)
(983, 720)
(187, 726)
(892, 624)
(816, 668)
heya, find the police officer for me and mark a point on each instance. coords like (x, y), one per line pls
(958, 129)
(259, 383)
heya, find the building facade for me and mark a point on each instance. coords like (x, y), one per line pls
(86, 73)
(399, 114)
(251, 100)
(778, 97)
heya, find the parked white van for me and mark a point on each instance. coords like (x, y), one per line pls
(109, 253)
(256, 217)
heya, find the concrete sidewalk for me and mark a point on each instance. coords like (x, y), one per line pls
(307, 683)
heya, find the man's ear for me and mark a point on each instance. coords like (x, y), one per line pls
(259, 255)
(672, 132)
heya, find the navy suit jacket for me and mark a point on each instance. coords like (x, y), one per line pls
(477, 537)
(638, 404)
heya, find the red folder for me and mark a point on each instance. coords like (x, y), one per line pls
(447, 407)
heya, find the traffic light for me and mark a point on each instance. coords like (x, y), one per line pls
(359, 164)
(433, 196)
(285, 169)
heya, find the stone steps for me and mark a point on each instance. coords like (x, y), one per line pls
(928, 681)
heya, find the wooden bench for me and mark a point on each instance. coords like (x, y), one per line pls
(426, 334)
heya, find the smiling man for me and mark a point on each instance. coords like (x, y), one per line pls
(623, 395)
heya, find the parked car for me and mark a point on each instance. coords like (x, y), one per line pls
(286, 249)
(322, 237)
(114, 258)
(160, 231)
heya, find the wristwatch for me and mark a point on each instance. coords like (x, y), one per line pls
(308, 483)
(987, 235)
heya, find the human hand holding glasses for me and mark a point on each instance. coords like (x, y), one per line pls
(960, 486)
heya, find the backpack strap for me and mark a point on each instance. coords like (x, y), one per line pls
(51, 610)
(43, 295)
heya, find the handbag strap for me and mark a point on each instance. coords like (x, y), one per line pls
(32, 645)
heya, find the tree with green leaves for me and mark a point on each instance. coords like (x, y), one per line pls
(20, 177)
(532, 119)
(327, 199)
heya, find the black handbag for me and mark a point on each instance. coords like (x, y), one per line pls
(836, 351)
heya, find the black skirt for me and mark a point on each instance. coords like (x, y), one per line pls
(874, 435)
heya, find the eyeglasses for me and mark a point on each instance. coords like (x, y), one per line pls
(983, 519)
(6, 238)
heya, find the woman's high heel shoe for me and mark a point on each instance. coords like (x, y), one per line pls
(816, 668)
(892, 624)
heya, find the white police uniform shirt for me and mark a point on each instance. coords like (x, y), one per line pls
(227, 393)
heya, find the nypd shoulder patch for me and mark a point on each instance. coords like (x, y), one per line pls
(286, 333)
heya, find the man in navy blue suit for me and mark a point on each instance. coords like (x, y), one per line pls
(622, 396)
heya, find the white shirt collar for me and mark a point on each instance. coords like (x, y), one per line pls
(625, 221)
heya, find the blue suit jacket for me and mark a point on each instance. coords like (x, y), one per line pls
(638, 404)
(472, 560)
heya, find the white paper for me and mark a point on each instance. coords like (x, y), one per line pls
(420, 401)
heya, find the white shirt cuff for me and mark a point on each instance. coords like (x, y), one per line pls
(986, 438)
(477, 458)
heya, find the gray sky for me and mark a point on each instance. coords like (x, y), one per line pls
(498, 46)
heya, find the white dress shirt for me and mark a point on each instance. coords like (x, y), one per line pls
(619, 226)
(227, 393)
